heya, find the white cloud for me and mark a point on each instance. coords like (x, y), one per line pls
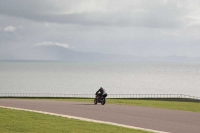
(9, 29)
(52, 44)
(62, 45)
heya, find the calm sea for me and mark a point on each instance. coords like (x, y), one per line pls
(87, 77)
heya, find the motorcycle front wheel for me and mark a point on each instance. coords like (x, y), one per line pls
(103, 101)
(95, 101)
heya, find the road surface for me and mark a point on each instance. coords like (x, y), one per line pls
(144, 117)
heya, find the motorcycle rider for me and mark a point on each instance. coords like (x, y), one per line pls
(100, 92)
(100, 96)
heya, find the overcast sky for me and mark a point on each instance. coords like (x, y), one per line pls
(135, 27)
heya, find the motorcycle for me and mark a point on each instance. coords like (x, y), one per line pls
(100, 99)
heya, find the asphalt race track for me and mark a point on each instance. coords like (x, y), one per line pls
(144, 117)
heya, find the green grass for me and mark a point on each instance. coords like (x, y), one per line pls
(172, 104)
(14, 121)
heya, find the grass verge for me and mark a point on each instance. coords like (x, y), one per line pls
(160, 103)
(13, 121)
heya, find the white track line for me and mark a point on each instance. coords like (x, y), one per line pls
(85, 119)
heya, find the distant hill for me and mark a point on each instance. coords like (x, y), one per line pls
(60, 53)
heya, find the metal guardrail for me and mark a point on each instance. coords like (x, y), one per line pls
(61, 95)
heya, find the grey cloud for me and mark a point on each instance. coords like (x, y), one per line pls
(22, 7)
(109, 19)
(7, 36)
(155, 15)
(143, 28)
